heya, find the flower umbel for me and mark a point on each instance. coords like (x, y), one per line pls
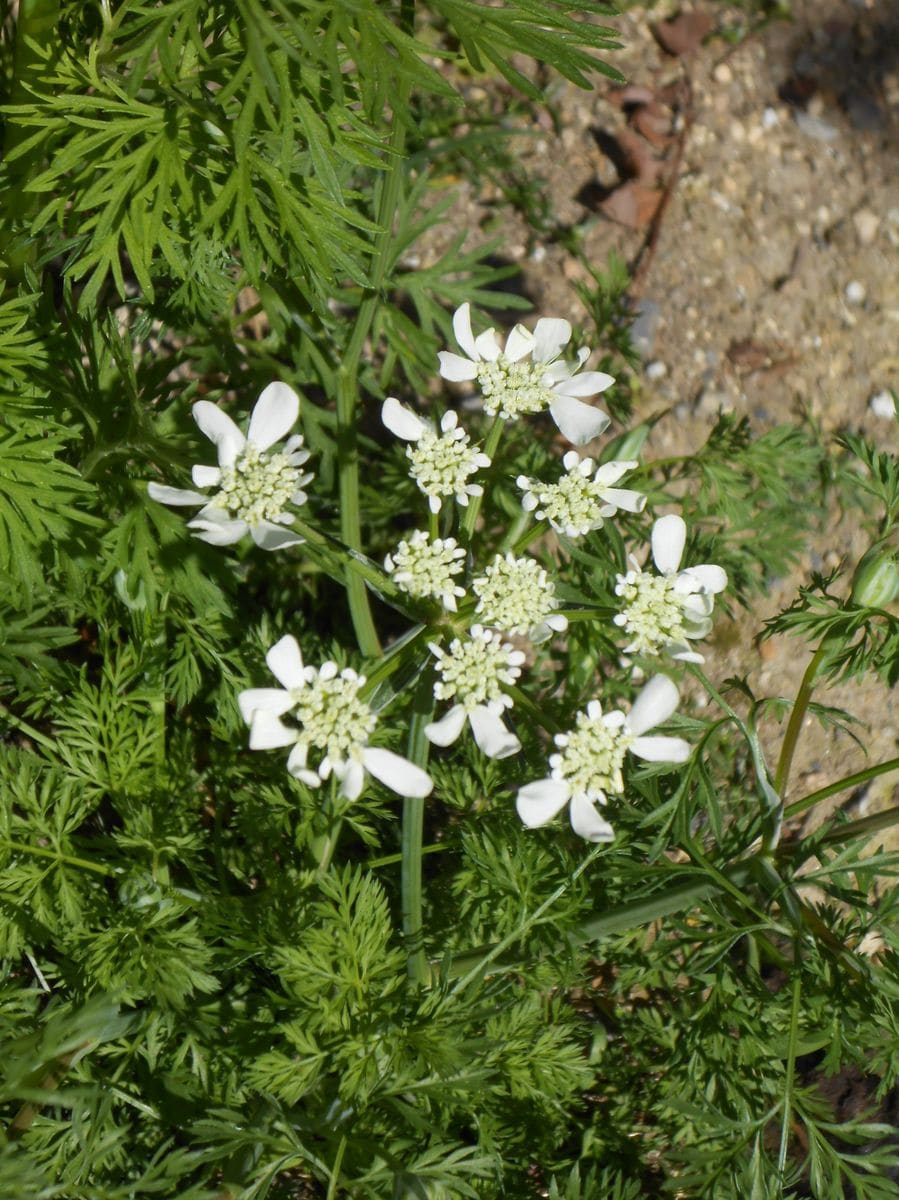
(588, 767)
(583, 498)
(474, 673)
(425, 569)
(441, 462)
(517, 596)
(333, 720)
(663, 611)
(527, 376)
(254, 487)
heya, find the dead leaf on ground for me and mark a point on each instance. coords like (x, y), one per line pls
(684, 33)
(654, 122)
(749, 355)
(631, 94)
(642, 165)
(632, 204)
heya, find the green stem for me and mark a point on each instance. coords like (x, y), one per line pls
(803, 696)
(323, 845)
(842, 785)
(41, 852)
(864, 825)
(348, 379)
(350, 522)
(413, 827)
(474, 505)
(790, 1072)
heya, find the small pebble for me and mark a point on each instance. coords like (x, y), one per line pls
(816, 127)
(866, 226)
(855, 292)
(883, 405)
(770, 119)
(723, 74)
(656, 370)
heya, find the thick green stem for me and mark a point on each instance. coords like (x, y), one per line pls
(797, 716)
(323, 845)
(474, 505)
(348, 380)
(842, 785)
(413, 827)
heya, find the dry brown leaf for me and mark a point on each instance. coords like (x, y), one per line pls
(654, 122)
(630, 95)
(642, 165)
(684, 33)
(632, 205)
(750, 355)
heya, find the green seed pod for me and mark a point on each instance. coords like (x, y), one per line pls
(876, 579)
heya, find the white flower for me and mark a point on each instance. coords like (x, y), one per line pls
(474, 673)
(583, 498)
(663, 611)
(332, 719)
(253, 486)
(512, 386)
(441, 462)
(517, 596)
(588, 767)
(425, 568)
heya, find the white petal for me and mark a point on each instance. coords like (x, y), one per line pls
(655, 704)
(712, 578)
(267, 732)
(624, 498)
(669, 534)
(445, 731)
(456, 368)
(171, 495)
(402, 776)
(491, 734)
(587, 823)
(218, 532)
(401, 421)
(589, 383)
(662, 749)
(487, 347)
(274, 415)
(578, 422)
(550, 335)
(682, 653)
(221, 430)
(519, 343)
(270, 700)
(285, 661)
(352, 779)
(462, 330)
(273, 537)
(611, 472)
(537, 803)
(206, 476)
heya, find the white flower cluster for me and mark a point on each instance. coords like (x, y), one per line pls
(322, 713)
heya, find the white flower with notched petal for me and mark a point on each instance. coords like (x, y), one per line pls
(583, 498)
(527, 376)
(588, 767)
(441, 462)
(425, 568)
(332, 719)
(664, 611)
(517, 596)
(474, 673)
(253, 486)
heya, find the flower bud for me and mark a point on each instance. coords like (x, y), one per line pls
(876, 579)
